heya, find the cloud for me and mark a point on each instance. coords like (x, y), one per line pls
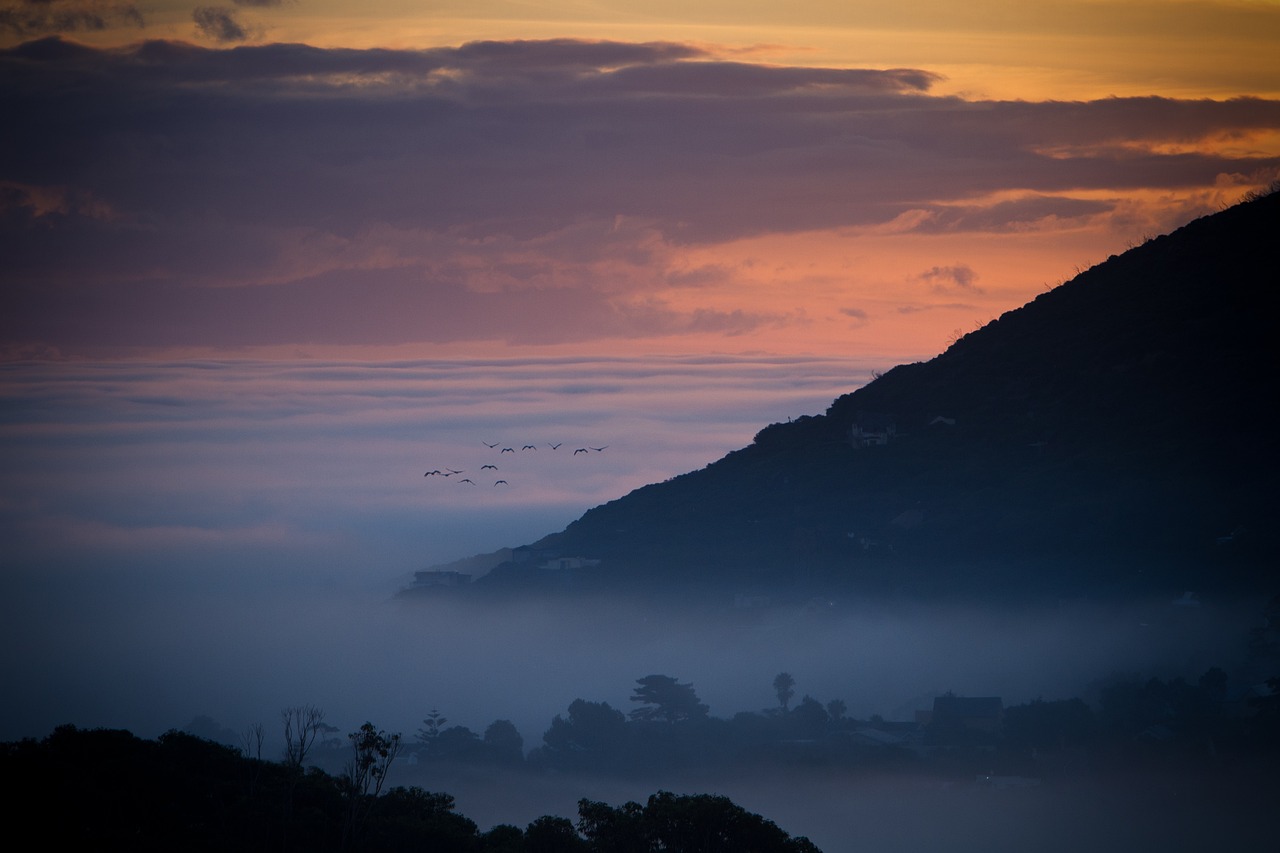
(530, 191)
(859, 316)
(951, 279)
(219, 23)
(25, 18)
(941, 306)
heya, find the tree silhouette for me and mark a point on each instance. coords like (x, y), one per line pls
(702, 823)
(667, 700)
(431, 727)
(593, 733)
(302, 725)
(366, 772)
(785, 687)
(503, 742)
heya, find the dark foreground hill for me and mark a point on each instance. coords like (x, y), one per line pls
(1115, 435)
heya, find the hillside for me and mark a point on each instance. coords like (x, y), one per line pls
(1115, 435)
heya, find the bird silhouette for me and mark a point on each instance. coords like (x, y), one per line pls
(432, 473)
(554, 446)
(467, 480)
(488, 445)
(597, 449)
(579, 450)
(508, 450)
(452, 471)
(490, 467)
(501, 483)
(529, 447)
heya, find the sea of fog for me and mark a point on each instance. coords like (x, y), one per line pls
(223, 540)
(222, 537)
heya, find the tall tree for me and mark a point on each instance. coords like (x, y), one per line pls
(431, 727)
(784, 686)
(503, 742)
(302, 725)
(667, 700)
(373, 752)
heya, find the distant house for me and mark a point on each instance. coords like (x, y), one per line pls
(431, 579)
(563, 564)
(871, 429)
(962, 720)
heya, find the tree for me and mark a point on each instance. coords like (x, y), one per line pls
(503, 742)
(302, 725)
(809, 719)
(456, 743)
(374, 751)
(836, 710)
(704, 823)
(251, 740)
(431, 727)
(666, 699)
(1054, 725)
(593, 733)
(550, 834)
(785, 687)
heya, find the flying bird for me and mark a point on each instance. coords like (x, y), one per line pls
(579, 450)
(597, 449)
(432, 473)
(529, 447)
(492, 467)
(508, 450)
(554, 446)
(467, 480)
(501, 483)
(488, 445)
(451, 471)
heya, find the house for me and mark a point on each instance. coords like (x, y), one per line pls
(432, 579)
(871, 429)
(562, 564)
(962, 720)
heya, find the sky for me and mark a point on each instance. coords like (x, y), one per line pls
(263, 264)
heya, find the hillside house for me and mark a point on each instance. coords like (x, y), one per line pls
(563, 564)
(432, 579)
(871, 429)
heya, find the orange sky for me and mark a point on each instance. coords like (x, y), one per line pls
(894, 212)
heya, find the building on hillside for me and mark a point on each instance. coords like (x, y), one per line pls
(871, 429)
(432, 579)
(564, 564)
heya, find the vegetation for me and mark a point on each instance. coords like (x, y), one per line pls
(106, 789)
(109, 790)
(1111, 437)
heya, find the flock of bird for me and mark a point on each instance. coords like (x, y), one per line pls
(447, 472)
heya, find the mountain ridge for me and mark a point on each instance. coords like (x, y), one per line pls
(1112, 435)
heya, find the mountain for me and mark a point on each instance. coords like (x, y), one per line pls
(1116, 435)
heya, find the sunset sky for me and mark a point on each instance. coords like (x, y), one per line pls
(302, 179)
(264, 263)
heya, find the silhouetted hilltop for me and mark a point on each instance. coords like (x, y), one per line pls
(1115, 435)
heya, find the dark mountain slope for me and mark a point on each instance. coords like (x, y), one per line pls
(1115, 434)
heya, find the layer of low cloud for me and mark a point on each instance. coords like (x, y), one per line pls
(26, 18)
(529, 192)
(219, 23)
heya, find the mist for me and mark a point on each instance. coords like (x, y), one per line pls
(227, 540)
